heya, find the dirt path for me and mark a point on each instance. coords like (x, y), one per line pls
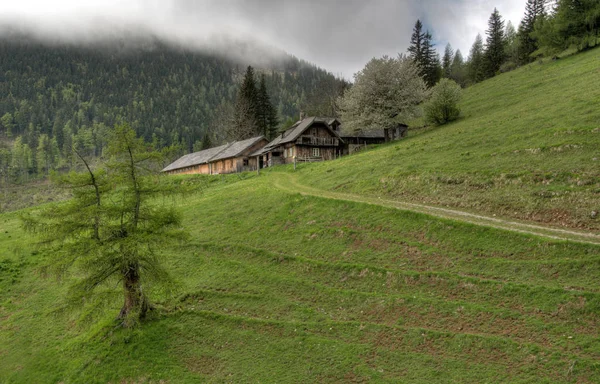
(289, 183)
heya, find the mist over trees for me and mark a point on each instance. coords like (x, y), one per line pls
(53, 97)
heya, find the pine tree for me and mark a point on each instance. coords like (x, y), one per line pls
(512, 44)
(534, 9)
(415, 49)
(248, 91)
(421, 50)
(458, 69)
(432, 69)
(495, 54)
(266, 114)
(447, 61)
(476, 69)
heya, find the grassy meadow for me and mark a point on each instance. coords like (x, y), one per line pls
(278, 287)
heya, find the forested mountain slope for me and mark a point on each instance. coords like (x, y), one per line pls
(168, 94)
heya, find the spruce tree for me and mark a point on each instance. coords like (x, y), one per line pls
(476, 61)
(534, 9)
(267, 120)
(248, 90)
(431, 67)
(447, 61)
(415, 50)
(495, 54)
(458, 69)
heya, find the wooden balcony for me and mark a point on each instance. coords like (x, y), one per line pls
(318, 141)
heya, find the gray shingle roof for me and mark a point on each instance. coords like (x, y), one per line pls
(236, 148)
(218, 153)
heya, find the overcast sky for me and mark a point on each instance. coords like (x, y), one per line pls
(338, 35)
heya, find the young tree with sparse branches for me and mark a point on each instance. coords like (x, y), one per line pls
(112, 230)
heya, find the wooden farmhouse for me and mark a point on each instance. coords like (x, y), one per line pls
(229, 158)
(310, 139)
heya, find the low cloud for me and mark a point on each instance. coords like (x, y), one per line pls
(339, 35)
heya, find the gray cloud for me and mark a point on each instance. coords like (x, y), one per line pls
(338, 35)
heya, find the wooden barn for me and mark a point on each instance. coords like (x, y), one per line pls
(229, 158)
(236, 157)
(361, 139)
(311, 139)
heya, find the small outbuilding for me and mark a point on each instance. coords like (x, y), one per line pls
(229, 158)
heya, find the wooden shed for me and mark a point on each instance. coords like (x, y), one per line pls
(228, 158)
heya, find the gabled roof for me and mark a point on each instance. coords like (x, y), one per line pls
(296, 131)
(236, 148)
(218, 153)
(195, 158)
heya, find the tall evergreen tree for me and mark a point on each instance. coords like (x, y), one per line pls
(415, 50)
(458, 69)
(495, 54)
(431, 67)
(248, 91)
(512, 44)
(447, 61)
(476, 70)
(266, 114)
(534, 9)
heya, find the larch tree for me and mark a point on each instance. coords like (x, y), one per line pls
(385, 93)
(112, 231)
(495, 54)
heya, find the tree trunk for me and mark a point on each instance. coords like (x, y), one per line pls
(135, 300)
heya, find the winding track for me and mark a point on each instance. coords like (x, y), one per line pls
(289, 183)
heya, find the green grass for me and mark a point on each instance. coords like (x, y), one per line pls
(526, 147)
(280, 287)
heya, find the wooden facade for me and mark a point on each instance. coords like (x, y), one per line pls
(309, 140)
(230, 158)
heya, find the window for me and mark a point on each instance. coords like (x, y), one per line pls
(285, 153)
(245, 162)
(316, 152)
(315, 131)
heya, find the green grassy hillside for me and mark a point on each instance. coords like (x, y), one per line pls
(527, 147)
(280, 287)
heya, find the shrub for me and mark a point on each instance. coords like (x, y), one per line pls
(442, 106)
